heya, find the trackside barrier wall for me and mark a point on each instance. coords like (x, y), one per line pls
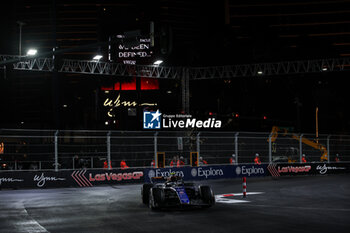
(287, 169)
(209, 172)
(70, 178)
(93, 177)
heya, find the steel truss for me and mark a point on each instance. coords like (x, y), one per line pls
(268, 69)
(117, 69)
(94, 67)
(192, 73)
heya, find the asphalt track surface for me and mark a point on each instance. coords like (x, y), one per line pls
(298, 204)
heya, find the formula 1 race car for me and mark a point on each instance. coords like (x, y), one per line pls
(174, 192)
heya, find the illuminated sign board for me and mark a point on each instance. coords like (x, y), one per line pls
(136, 54)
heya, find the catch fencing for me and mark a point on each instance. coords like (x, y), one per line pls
(68, 149)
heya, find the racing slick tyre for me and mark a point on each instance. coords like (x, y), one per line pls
(156, 198)
(207, 196)
(145, 193)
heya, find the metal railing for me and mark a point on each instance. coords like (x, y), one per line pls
(55, 150)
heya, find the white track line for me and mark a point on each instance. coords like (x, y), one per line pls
(224, 198)
(28, 224)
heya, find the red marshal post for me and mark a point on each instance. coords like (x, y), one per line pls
(244, 183)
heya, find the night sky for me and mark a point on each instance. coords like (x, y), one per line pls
(191, 34)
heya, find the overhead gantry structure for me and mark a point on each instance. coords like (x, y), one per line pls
(194, 73)
(186, 74)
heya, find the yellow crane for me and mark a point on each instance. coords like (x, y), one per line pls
(318, 146)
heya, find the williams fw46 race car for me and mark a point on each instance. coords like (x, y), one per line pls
(174, 192)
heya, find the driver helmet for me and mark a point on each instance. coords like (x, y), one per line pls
(172, 176)
(257, 155)
(233, 155)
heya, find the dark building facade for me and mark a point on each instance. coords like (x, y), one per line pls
(187, 33)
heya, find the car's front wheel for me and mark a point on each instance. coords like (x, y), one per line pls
(156, 198)
(207, 195)
(145, 193)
